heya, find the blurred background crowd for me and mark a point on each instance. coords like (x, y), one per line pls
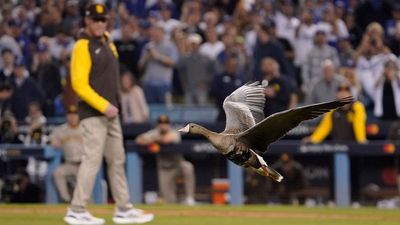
(308, 50)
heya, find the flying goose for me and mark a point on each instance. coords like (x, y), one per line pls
(247, 134)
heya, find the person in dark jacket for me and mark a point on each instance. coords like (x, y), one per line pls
(224, 84)
(25, 91)
(279, 91)
(268, 47)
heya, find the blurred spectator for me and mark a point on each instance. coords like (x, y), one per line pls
(319, 53)
(170, 166)
(196, 71)
(71, 15)
(16, 32)
(8, 42)
(128, 48)
(333, 26)
(390, 26)
(25, 91)
(355, 32)
(295, 180)
(267, 47)
(166, 20)
(155, 6)
(50, 18)
(304, 37)
(158, 58)
(211, 21)
(7, 70)
(387, 92)
(36, 122)
(286, 22)
(60, 45)
(350, 77)
(212, 46)
(68, 137)
(134, 108)
(224, 84)
(5, 96)
(346, 52)
(370, 57)
(344, 124)
(47, 74)
(279, 91)
(324, 88)
(289, 54)
(8, 128)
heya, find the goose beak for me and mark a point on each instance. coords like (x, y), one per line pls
(185, 129)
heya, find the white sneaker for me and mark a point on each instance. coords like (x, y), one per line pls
(189, 201)
(84, 218)
(132, 216)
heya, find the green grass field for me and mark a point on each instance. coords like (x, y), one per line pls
(211, 215)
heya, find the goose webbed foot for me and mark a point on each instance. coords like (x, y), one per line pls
(267, 171)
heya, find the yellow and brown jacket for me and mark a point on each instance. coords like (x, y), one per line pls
(95, 74)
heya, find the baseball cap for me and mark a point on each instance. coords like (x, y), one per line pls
(97, 11)
(72, 109)
(163, 119)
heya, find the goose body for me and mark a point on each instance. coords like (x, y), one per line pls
(248, 134)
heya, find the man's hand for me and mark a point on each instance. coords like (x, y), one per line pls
(111, 111)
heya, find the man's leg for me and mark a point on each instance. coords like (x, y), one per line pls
(167, 184)
(189, 177)
(94, 131)
(115, 157)
(60, 179)
(114, 152)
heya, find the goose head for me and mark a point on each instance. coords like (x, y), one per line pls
(191, 128)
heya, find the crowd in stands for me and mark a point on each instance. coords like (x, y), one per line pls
(197, 52)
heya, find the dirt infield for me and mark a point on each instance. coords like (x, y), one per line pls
(263, 212)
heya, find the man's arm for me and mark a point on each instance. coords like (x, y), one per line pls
(80, 69)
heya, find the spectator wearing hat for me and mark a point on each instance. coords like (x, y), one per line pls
(134, 108)
(344, 124)
(345, 52)
(295, 179)
(324, 88)
(95, 79)
(6, 72)
(319, 53)
(25, 91)
(157, 60)
(390, 26)
(68, 138)
(170, 166)
(387, 92)
(47, 75)
(196, 72)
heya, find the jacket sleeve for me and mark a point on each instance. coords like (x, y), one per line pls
(80, 69)
(323, 129)
(359, 122)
